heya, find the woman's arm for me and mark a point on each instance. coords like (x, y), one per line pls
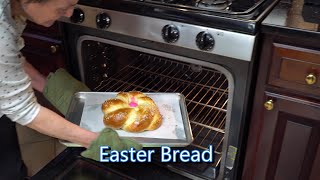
(38, 81)
(50, 123)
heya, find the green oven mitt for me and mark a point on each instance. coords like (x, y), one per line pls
(109, 137)
(60, 88)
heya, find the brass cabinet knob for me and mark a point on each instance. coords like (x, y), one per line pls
(54, 48)
(269, 105)
(311, 79)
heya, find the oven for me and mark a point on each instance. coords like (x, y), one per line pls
(207, 54)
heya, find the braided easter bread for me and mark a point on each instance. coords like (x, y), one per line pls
(131, 111)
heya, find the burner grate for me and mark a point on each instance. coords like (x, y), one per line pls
(214, 4)
(231, 7)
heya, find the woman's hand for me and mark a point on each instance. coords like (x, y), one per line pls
(60, 88)
(109, 137)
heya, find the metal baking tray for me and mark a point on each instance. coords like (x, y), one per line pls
(175, 131)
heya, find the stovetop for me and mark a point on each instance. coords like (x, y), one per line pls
(217, 6)
(234, 15)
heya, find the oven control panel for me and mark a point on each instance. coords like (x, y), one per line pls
(209, 40)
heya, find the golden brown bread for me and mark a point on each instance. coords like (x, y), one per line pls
(131, 111)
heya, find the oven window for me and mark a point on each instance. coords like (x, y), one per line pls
(92, 172)
(110, 68)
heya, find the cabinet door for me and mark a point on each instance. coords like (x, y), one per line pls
(288, 147)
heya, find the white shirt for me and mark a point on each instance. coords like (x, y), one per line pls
(17, 99)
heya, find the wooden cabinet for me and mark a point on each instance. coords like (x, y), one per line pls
(284, 133)
(289, 139)
(295, 68)
(44, 48)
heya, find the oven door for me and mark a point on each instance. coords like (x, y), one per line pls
(216, 89)
(69, 165)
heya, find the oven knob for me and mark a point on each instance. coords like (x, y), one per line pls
(77, 16)
(170, 33)
(103, 21)
(205, 41)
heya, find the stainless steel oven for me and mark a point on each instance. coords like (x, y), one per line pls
(165, 46)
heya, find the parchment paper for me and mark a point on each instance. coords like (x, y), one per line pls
(168, 103)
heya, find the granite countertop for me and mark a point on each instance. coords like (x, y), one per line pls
(287, 19)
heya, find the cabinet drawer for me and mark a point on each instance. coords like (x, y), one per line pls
(53, 31)
(42, 46)
(296, 69)
(45, 54)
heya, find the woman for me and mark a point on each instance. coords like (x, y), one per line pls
(18, 78)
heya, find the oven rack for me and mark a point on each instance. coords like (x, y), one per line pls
(206, 92)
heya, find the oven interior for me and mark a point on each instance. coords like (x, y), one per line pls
(109, 68)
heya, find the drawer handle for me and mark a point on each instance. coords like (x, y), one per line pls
(311, 79)
(54, 48)
(269, 105)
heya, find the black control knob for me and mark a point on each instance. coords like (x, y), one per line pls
(77, 16)
(205, 41)
(103, 20)
(170, 33)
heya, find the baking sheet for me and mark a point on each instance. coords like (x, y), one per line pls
(174, 131)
